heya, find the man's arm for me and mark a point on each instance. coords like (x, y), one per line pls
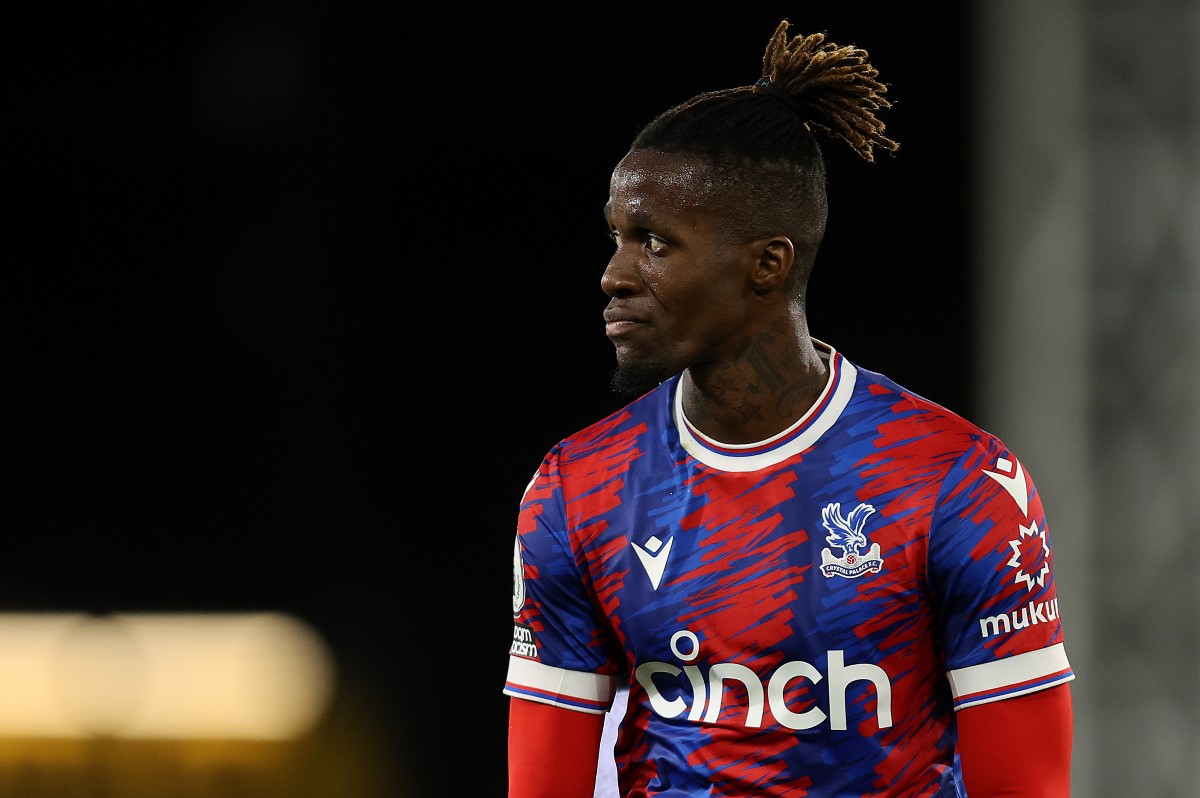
(1019, 747)
(552, 752)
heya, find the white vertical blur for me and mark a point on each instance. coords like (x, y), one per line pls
(1087, 241)
(1029, 248)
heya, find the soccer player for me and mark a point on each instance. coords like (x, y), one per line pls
(805, 579)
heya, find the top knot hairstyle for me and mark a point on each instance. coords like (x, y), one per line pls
(768, 173)
(834, 87)
(824, 86)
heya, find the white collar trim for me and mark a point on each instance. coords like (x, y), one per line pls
(796, 438)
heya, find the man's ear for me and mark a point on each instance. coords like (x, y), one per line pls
(773, 261)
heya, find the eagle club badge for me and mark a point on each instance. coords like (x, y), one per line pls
(846, 533)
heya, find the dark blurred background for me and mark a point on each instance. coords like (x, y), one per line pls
(303, 291)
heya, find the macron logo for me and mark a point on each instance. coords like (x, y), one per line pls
(1010, 477)
(654, 560)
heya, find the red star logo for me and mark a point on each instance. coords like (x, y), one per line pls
(1031, 556)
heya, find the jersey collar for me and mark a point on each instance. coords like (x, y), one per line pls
(839, 385)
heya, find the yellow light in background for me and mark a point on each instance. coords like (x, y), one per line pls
(248, 676)
(30, 704)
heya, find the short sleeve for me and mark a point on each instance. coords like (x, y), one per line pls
(991, 566)
(558, 655)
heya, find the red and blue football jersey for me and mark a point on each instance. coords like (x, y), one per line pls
(796, 617)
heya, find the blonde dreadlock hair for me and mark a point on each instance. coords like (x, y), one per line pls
(834, 86)
(768, 172)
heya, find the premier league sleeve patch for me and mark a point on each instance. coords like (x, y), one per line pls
(518, 578)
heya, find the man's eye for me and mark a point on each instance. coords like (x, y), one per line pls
(653, 244)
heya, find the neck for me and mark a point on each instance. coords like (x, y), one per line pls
(765, 390)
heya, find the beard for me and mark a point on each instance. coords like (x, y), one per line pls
(631, 380)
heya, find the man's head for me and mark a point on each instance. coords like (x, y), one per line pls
(719, 207)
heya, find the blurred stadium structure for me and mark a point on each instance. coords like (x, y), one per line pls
(1087, 196)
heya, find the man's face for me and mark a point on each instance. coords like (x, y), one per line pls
(678, 287)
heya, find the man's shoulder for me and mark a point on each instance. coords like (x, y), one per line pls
(647, 414)
(900, 405)
(886, 390)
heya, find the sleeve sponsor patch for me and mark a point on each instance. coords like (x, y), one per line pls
(523, 644)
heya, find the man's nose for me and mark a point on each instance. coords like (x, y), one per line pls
(621, 275)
